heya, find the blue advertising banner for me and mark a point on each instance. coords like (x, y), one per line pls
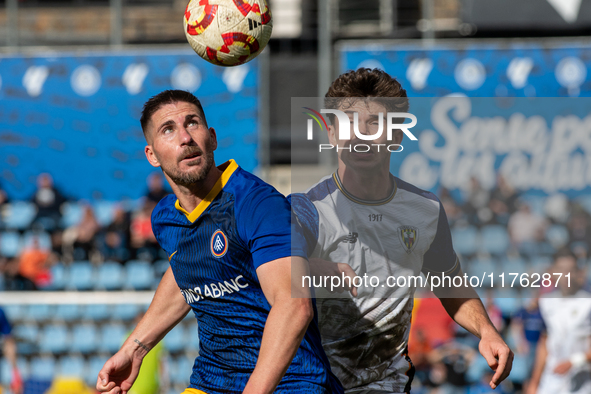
(76, 116)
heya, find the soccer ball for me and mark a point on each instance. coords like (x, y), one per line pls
(228, 32)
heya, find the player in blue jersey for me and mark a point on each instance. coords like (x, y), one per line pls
(228, 238)
(362, 221)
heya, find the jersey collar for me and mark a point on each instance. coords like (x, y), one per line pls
(231, 166)
(337, 181)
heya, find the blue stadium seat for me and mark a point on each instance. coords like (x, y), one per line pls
(160, 267)
(92, 369)
(111, 337)
(40, 312)
(176, 339)
(68, 312)
(59, 277)
(465, 240)
(14, 312)
(536, 203)
(585, 202)
(139, 274)
(97, 312)
(111, 276)
(478, 267)
(103, 210)
(71, 366)
(6, 370)
(495, 239)
(20, 215)
(540, 263)
(125, 312)
(507, 299)
(71, 214)
(10, 244)
(54, 338)
(27, 337)
(42, 367)
(557, 235)
(81, 276)
(193, 336)
(42, 237)
(512, 264)
(180, 369)
(84, 338)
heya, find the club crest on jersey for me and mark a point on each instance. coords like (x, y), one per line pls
(409, 236)
(219, 243)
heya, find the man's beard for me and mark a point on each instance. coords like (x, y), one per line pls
(189, 179)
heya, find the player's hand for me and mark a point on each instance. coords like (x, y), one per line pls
(498, 356)
(563, 367)
(118, 373)
(322, 268)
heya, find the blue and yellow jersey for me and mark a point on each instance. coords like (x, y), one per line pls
(214, 253)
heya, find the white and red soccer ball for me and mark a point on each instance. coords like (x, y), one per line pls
(228, 32)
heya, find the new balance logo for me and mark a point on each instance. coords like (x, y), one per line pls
(351, 238)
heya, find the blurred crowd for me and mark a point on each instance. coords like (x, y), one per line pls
(125, 235)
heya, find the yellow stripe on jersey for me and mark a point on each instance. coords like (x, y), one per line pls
(231, 166)
(193, 391)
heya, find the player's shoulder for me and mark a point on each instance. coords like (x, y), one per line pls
(415, 192)
(251, 191)
(165, 210)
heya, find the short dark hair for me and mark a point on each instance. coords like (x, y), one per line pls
(168, 97)
(366, 82)
(564, 252)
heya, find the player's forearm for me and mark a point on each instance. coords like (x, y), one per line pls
(470, 314)
(540, 362)
(284, 330)
(9, 349)
(167, 309)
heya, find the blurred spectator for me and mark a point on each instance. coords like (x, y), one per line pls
(450, 365)
(579, 231)
(79, 239)
(13, 280)
(476, 206)
(34, 264)
(156, 189)
(48, 201)
(527, 326)
(115, 240)
(143, 241)
(9, 352)
(525, 226)
(453, 211)
(503, 200)
(563, 356)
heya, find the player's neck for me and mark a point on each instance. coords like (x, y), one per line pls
(190, 197)
(372, 185)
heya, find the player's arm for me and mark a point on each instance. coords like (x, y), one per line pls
(539, 365)
(166, 310)
(466, 308)
(577, 360)
(287, 322)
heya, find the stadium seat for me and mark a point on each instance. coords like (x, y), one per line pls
(42, 237)
(6, 370)
(176, 339)
(180, 369)
(512, 264)
(103, 210)
(111, 337)
(193, 336)
(465, 240)
(20, 215)
(10, 244)
(59, 277)
(27, 338)
(40, 312)
(54, 338)
(42, 367)
(139, 274)
(540, 263)
(585, 202)
(111, 276)
(494, 240)
(68, 312)
(84, 338)
(97, 312)
(14, 312)
(507, 299)
(536, 203)
(480, 267)
(557, 235)
(71, 366)
(160, 267)
(71, 214)
(125, 312)
(81, 276)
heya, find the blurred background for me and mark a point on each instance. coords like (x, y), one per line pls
(78, 259)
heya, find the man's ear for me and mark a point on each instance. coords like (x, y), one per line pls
(214, 138)
(151, 156)
(331, 135)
